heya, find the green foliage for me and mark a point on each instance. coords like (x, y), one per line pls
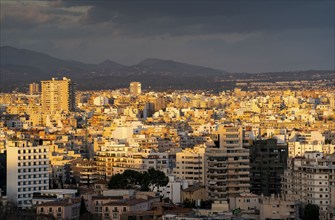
(311, 212)
(145, 181)
(82, 206)
(188, 203)
(156, 178)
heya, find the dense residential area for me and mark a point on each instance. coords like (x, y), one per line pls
(255, 152)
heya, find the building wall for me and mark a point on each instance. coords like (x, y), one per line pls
(310, 179)
(190, 165)
(276, 208)
(268, 162)
(227, 164)
(27, 170)
(58, 95)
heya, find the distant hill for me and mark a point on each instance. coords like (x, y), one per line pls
(18, 67)
(22, 57)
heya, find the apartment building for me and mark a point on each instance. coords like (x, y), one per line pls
(58, 95)
(311, 179)
(298, 149)
(227, 164)
(83, 172)
(277, 208)
(116, 158)
(27, 169)
(190, 165)
(34, 88)
(135, 88)
(268, 161)
(60, 209)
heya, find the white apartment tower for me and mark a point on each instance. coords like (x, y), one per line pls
(27, 170)
(58, 95)
(135, 88)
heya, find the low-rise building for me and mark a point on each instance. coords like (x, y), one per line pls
(60, 209)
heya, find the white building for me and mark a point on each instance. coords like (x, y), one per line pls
(27, 170)
(311, 179)
(173, 189)
(100, 101)
(298, 149)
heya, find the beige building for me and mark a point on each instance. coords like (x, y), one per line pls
(34, 88)
(298, 149)
(276, 208)
(135, 88)
(60, 209)
(190, 165)
(194, 193)
(58, 95)
(227, 164)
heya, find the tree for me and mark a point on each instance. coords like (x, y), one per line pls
(157, 178)
(82, 206)
(311, 212)
(188, 203)
(129, 179)
(146, 181)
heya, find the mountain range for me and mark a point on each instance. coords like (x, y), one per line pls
(18, 67)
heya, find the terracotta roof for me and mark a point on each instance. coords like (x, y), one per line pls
(107, 197)
(128, 202)
(64, 202)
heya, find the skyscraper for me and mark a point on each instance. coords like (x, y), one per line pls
(58, 95)
(135, 88)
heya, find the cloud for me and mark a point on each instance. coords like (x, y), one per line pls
(197, 17)
(26, 15)
(231, 35)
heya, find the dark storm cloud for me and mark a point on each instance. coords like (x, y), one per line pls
(187, 18)
(232, 35)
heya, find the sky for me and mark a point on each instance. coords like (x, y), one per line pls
(236, 36)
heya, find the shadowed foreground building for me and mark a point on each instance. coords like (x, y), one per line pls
(268, 162)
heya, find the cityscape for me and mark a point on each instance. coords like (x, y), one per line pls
(186, 136)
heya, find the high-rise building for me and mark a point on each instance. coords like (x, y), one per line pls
(135, 88)
(58, 95)
(311, 179)
(227, 164)
(34, 88)
(332, 101)
(27, 170)
(268, 162)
